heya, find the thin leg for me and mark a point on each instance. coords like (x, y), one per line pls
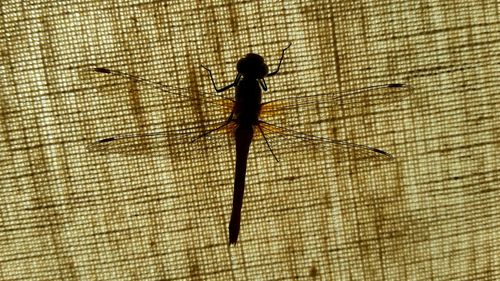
(267, 143)
(281, 59)
(262, 83)
(225, 87)
(229, 120)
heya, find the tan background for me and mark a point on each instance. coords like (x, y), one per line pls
(68, 213)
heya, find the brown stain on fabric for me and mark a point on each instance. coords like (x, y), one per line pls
(380, 223)
(386, 229)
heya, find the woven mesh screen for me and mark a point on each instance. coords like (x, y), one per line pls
(158, 208)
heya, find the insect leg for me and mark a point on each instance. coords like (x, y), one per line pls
(281, 60)
(267, 143)
(263, 84)
(225, 87)
(228, 120)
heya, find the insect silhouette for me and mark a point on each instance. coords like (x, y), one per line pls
(244, 120)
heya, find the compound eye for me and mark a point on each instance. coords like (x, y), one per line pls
(254, 58)
(252, 65)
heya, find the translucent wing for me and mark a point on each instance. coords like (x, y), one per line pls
(143, 143)
(280, 139)
(178, 91)
(282, 125)
(288, 116)
(384, 93)
(177, 130)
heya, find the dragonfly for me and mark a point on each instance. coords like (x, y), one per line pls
(245, 119)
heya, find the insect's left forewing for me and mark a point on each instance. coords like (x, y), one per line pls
(384, 94)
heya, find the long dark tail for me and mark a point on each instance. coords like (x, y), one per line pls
(243, 136)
